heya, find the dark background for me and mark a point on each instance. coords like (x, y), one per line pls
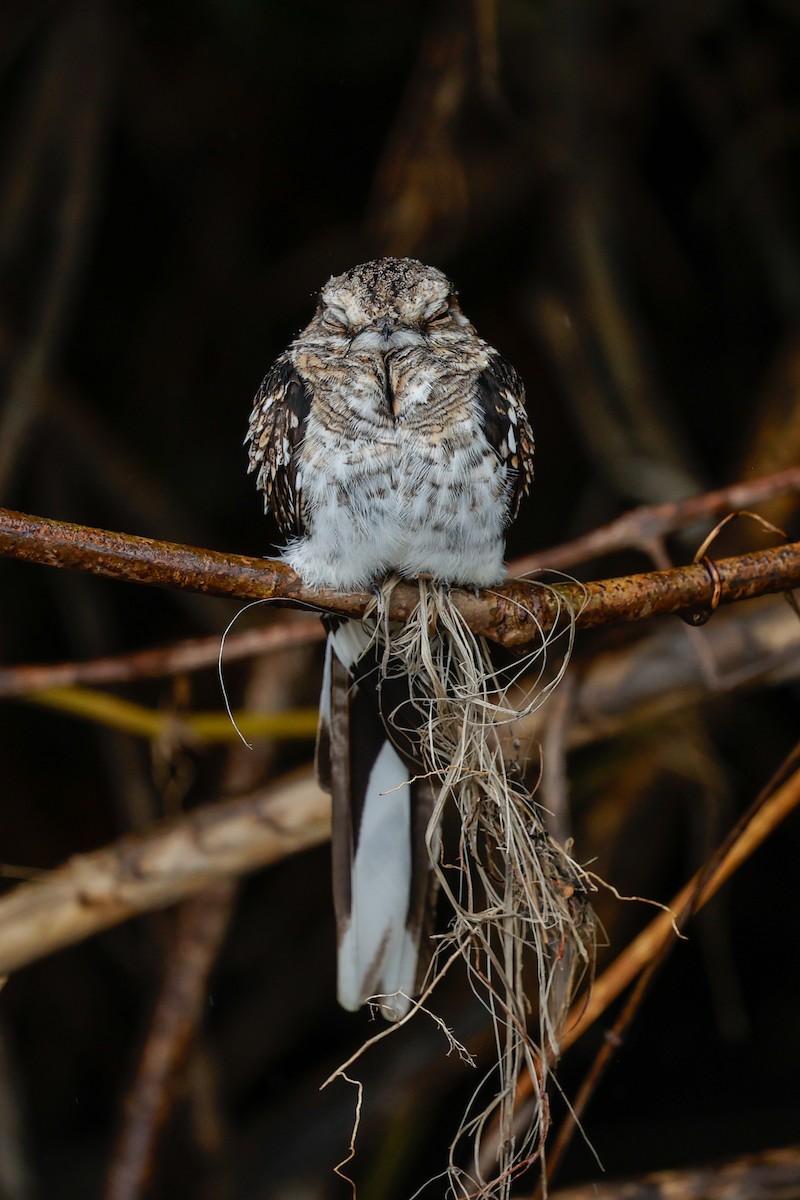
(614, 188)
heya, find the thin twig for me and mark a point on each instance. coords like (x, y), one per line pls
(194, 654)
(609, 1049)
(646, 945)
(641, 951)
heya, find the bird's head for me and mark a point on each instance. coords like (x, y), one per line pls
(391, 302)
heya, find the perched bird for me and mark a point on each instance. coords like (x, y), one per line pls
(388, 439)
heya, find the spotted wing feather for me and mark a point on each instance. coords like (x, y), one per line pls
(501, 399)
(277, 428)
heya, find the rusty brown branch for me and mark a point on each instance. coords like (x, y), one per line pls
(512, 614)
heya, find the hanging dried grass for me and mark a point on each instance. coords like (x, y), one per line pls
(520, 901)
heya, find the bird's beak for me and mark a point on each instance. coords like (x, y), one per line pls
(385, 326)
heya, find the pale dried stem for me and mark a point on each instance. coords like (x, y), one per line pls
(753, 646)
(773, 1173)
(758, 645)
(94, 891)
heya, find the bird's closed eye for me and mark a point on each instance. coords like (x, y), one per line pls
(336, 316)
(440, 316)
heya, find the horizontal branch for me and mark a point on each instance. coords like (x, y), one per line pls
(512, 614)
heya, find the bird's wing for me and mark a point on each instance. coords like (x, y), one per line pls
(500, 395)
(277, 428)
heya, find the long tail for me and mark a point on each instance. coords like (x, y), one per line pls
(384, 887)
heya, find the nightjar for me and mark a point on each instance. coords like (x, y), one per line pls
(388, 439)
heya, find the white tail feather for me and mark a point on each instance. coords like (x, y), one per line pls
(377, 954)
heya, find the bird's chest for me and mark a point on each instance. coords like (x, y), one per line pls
(399, 443)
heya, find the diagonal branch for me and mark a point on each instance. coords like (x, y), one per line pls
(153, 869)
(512, 614)
(641, 527)
(755, 827)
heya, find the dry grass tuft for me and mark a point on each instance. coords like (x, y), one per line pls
(520, 901)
